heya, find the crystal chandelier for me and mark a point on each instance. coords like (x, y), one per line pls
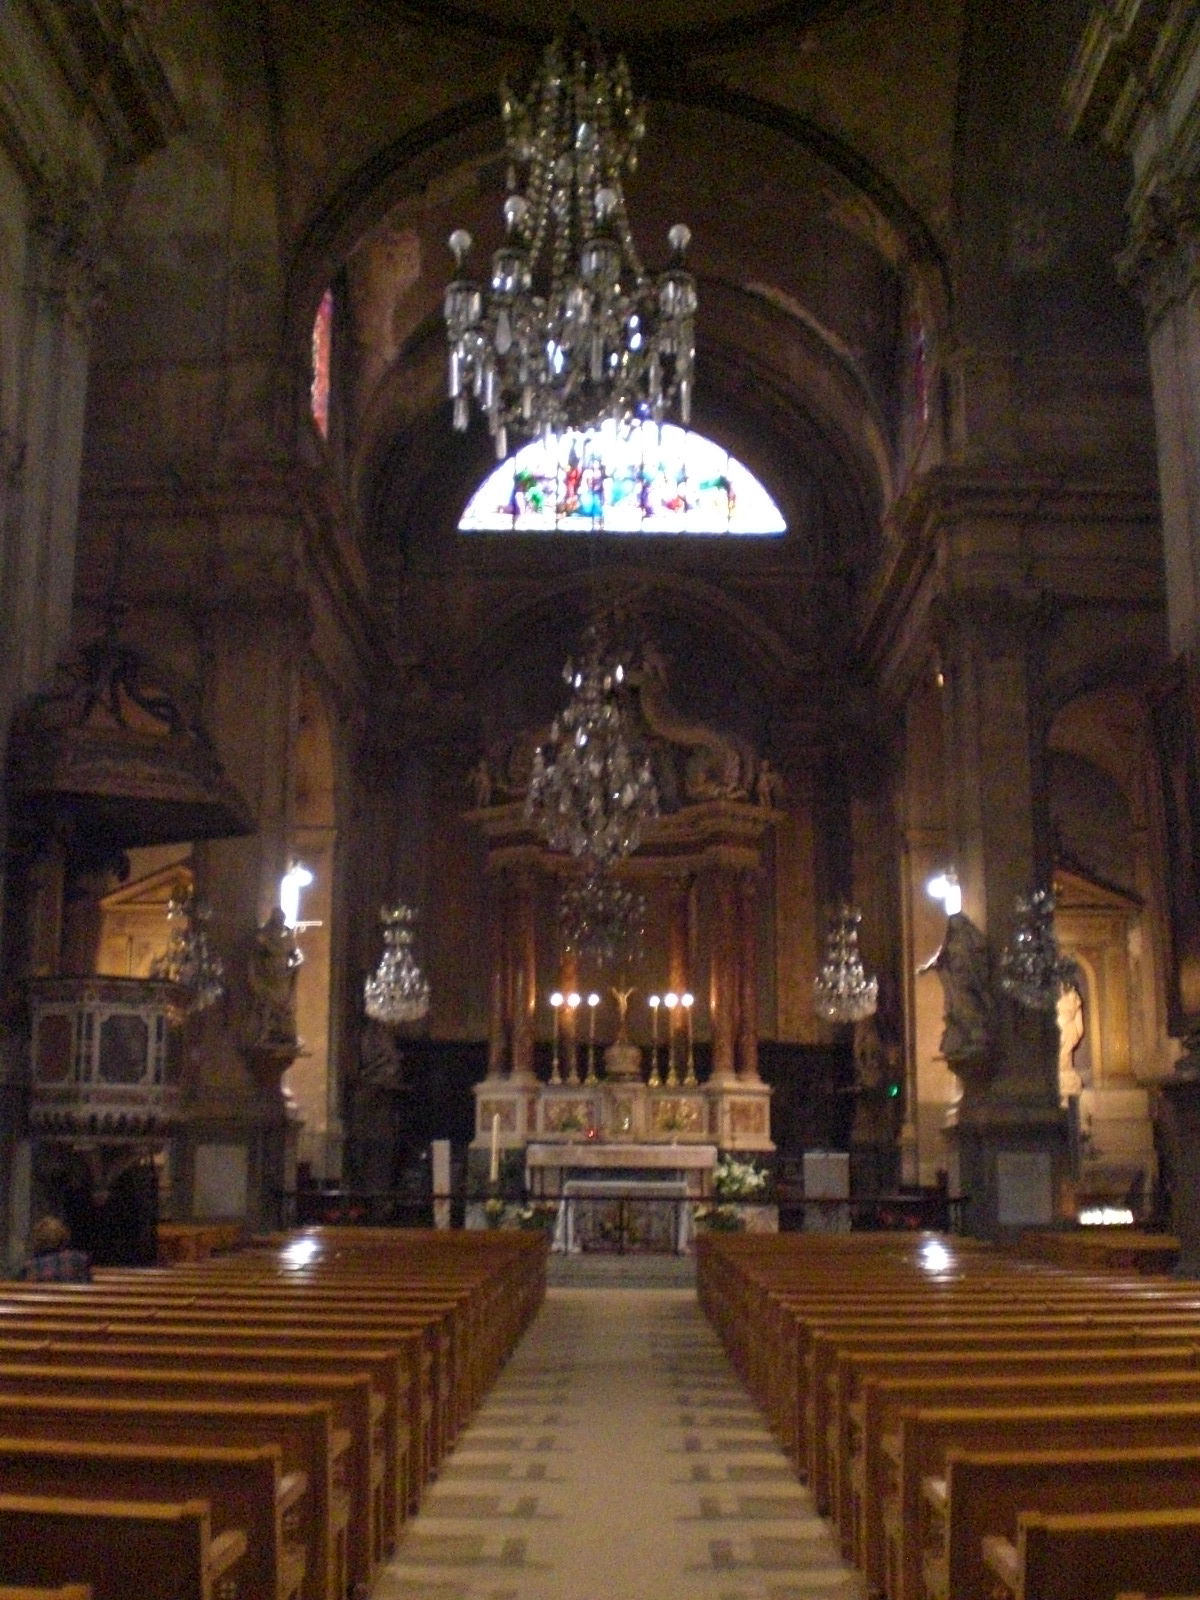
(572, 329)
(601, 919)
(188, 959)
(591, 789)
(1033, 970)
(842, 992)
(397, 991)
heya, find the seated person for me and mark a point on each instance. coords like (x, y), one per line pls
(51, 1259)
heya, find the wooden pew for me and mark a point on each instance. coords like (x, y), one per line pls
(927, 1435)
(245, 1491)
(349, 1399)
(841, 1418)
(303, 1433)
(178, 1350)
(154, 1550)
(1089, 1555)
(885, 1401)
(983, 1493)
(66, 1591)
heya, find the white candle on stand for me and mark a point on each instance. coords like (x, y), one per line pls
(494, 1164)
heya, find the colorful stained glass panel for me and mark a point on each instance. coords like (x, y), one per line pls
(641, 479)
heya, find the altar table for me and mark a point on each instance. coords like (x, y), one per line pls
(648, 1214)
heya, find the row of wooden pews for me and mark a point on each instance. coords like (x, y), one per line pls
(258, 1424)
(974, 1424)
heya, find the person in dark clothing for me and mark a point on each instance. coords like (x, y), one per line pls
(51, 1258)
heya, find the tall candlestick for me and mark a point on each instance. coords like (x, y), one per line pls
(573, 1000)
(494, 1163)
(655, 1002)
(593, 1001)
(670, 1000)
(687, 1001)
(556, 1004)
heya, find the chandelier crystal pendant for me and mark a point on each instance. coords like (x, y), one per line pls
(602, 921)
(571, 330)
(397, 991)
(1033, 970)
(842, 992)
(591, 790)
(189, 959)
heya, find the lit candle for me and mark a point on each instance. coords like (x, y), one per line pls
(655, 1002)
(573, 1001)
(494, 1164)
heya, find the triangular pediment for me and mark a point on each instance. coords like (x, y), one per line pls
(1077, 889)
(153, 892)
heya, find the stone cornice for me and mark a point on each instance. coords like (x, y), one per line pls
(105, 57)
(1161, 263)
(1084, 538)
(1124, 61)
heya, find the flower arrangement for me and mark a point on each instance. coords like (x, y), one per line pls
(737, 1180)
(536, 1217)
(720, 1219)
(493, 1211)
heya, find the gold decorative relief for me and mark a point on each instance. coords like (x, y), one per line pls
(506, 1110)
(747, 1116)
(678, 1115)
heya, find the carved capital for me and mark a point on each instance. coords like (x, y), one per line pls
(1161, 263)
(71, 268)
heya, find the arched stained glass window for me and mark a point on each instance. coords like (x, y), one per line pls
(322, 348)
(642, 479)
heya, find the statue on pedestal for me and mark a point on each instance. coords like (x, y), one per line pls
(964, 965)
(274, 962)
(623, 1059)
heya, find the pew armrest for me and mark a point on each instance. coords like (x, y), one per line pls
(935, 1493)
(293, 1486)
(225, 1551)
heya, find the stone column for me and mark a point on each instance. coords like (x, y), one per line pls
(1007, 1130)
(1162, 265)
(723, 985)
(747, 927)
(498, 977)
(524, 976)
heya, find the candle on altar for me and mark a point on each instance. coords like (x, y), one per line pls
(557, 1001)
(494, 1163)
(654, 1002)
(573, 1002)
(687, 1001)
(593, 1001)
(671, 1001)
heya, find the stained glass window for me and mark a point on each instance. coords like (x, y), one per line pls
(322, 344)
(642, 479)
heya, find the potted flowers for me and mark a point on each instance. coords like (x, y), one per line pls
(493, 1211)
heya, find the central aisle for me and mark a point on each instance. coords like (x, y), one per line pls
(618, 1458)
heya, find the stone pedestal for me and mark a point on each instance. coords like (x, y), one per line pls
(1008, 1162)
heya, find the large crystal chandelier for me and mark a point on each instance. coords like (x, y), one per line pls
(842, 992)
(602, 920)
(571, 329)
(1033, 970)
(189, 959)
(397, 991)
(591, 789)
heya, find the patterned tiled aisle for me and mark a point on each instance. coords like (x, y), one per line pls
(618, 1458)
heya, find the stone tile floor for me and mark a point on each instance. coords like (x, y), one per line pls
(618, 1458)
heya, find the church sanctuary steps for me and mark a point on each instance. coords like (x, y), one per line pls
(154, 1550)
(983, 1493)
(246, 1492)
(1089, 1555)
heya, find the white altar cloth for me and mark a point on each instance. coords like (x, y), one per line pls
(640, 1197)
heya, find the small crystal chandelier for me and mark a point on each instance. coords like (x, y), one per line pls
(591, 789)
(842, 992)
(602, 921)
(572, 329)
(397, 991)
(188, 959)
(1033, 970)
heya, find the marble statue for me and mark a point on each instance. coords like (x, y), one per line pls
(274, 962)
(964, 965)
